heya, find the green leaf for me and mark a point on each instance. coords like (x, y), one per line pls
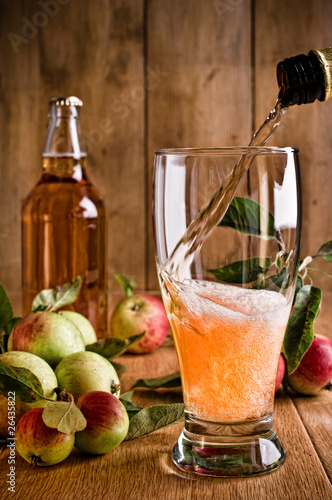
(211, 464)
(126, 396)
(54, 298)
(128, 285)
(243, 271)
(4, 336)
(21, 381)
(279, 281)
(112, 347)
(11, 324)
(325, 251)
(6, 310)
(119, 368)
(153, 418)
(248, 217)
(3, 342)
(299, 332)
(64, 416)
(166, 382)
(274, 282)
(131, 409)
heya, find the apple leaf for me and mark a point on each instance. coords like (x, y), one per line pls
(54, 298)
(112, 347)
(248, 217)
(274, 282)
(299, 332)
(153, 418)
(64, 416)
(3, 342)
(11, 324)
(128, 285)
(22, 381)
(6, 310)
(131, 409)
(166, 382)
(279, 281)
(325, 251)
(119, 368)
(126, 396)
(243, 271)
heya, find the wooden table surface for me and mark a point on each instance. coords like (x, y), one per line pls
(142, 469)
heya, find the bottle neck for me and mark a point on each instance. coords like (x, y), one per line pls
(300, 80)
(57, 168)
(64, 138)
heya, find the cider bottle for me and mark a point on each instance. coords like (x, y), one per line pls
(64, 221)
(305, 78)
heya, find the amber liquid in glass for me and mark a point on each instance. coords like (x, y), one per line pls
(63, 236)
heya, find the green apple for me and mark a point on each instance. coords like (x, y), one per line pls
(48, 335)
(107, 423)
(87, 371)
(37, 366)
(39, 444)
(83, 324)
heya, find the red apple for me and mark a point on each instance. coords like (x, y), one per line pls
(47, 335)
(107, 423)
(315, 369)
(280, 371)
(39, 444)
(139, 313)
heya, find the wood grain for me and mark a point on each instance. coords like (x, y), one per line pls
(154, 74)
(196, 46)
(295, 28)
(143, 468)
(96, 53)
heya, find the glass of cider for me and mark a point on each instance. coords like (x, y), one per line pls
(227, 226)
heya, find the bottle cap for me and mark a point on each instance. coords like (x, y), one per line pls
(65, 101)
(325, 59)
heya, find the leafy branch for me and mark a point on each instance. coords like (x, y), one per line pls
(249, 218)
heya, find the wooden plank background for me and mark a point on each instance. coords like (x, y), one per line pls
(151, 74)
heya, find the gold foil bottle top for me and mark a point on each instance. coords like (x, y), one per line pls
(325, 58)
(65, 101)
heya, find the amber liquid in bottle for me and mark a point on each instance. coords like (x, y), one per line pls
(63, 236)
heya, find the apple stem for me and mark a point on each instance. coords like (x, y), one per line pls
(115, 388)
(63, 395)
(35, 460)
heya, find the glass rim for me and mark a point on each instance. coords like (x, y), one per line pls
(236, 150)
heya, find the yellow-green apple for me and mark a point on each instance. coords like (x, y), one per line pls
(37, 366)
(87, 371)
(140, 313)
(280, 371)
(46, 334)
(83, 324)
(39, 444)
(107, 423)
(315, 369)
(10, 413)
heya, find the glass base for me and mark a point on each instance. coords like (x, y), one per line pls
(228, 450)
